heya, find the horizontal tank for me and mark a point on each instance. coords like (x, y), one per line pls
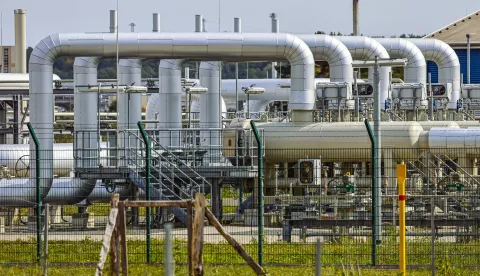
(427, 125)
(18, 80)
(288, 142)
(16, 157)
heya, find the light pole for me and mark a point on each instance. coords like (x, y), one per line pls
(252, 89)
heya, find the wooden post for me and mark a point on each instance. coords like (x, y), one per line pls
(240, 250)
(189, 233)
(122, 225)
(114, 245)
(197, 242)
(107, 237)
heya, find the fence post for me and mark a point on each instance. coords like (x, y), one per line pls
(260, 191)
(432, 229)
(37, 186)
(402, 175)
(169, 269)
(45, 239)
(374, 191)
(318, 259)
(147, 185)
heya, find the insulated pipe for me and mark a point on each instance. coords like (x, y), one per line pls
(209, 103)
(275, 29)
(156, 23)
(447, 61)
(198, 23)
(85, 119)
(113, 21)
(365, 48)
(222, 46)
(129, 105)
(416, 69)
(170, 99)
(20, 41)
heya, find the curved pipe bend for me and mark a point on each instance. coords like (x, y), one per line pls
(447, 61)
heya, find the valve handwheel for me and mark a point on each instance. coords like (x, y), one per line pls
(22, 166)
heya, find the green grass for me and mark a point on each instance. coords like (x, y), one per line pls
(278, 253)
(223, 270)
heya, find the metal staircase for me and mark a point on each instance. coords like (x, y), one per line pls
(171, 178)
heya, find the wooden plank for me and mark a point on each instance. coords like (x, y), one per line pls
(173, 203)
(197, 242)
(238, 247)
(112, 218)
(189, 233)
(114, 244)
(122, 228)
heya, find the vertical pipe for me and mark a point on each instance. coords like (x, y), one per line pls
(430, 97)
(156, 23)
(378, 154)
(198, 29)
(401, 176)
(357, 99)
(187, 73)
(355, 18)
(20, 41)
(468, 58)
(113, 21)
(275, 29)
(237, 28)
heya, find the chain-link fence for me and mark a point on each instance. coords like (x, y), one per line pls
(312, 194)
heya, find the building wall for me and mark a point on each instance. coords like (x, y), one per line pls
(7, 59)
(462, 56)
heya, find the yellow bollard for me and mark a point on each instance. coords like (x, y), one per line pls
(402, 175)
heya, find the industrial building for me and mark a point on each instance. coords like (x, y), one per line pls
(461, 35)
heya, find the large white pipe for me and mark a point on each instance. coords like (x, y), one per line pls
(170, 99)
(447, 61)
(224, 46)
(294, 141)
(85, 119)
(129, 105)
(365, 48)
(20, 41)
(416, 69)
(209, 102)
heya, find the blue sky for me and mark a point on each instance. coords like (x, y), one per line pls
(377, 17)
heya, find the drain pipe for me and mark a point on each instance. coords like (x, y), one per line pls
(447, 61)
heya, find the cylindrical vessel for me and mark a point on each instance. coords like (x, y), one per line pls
(237, 25)
(198, 23)
(20, 41)
(156, 23)
(289, 142)
(113, 21)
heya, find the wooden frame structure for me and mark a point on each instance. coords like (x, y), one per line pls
(115, 234)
